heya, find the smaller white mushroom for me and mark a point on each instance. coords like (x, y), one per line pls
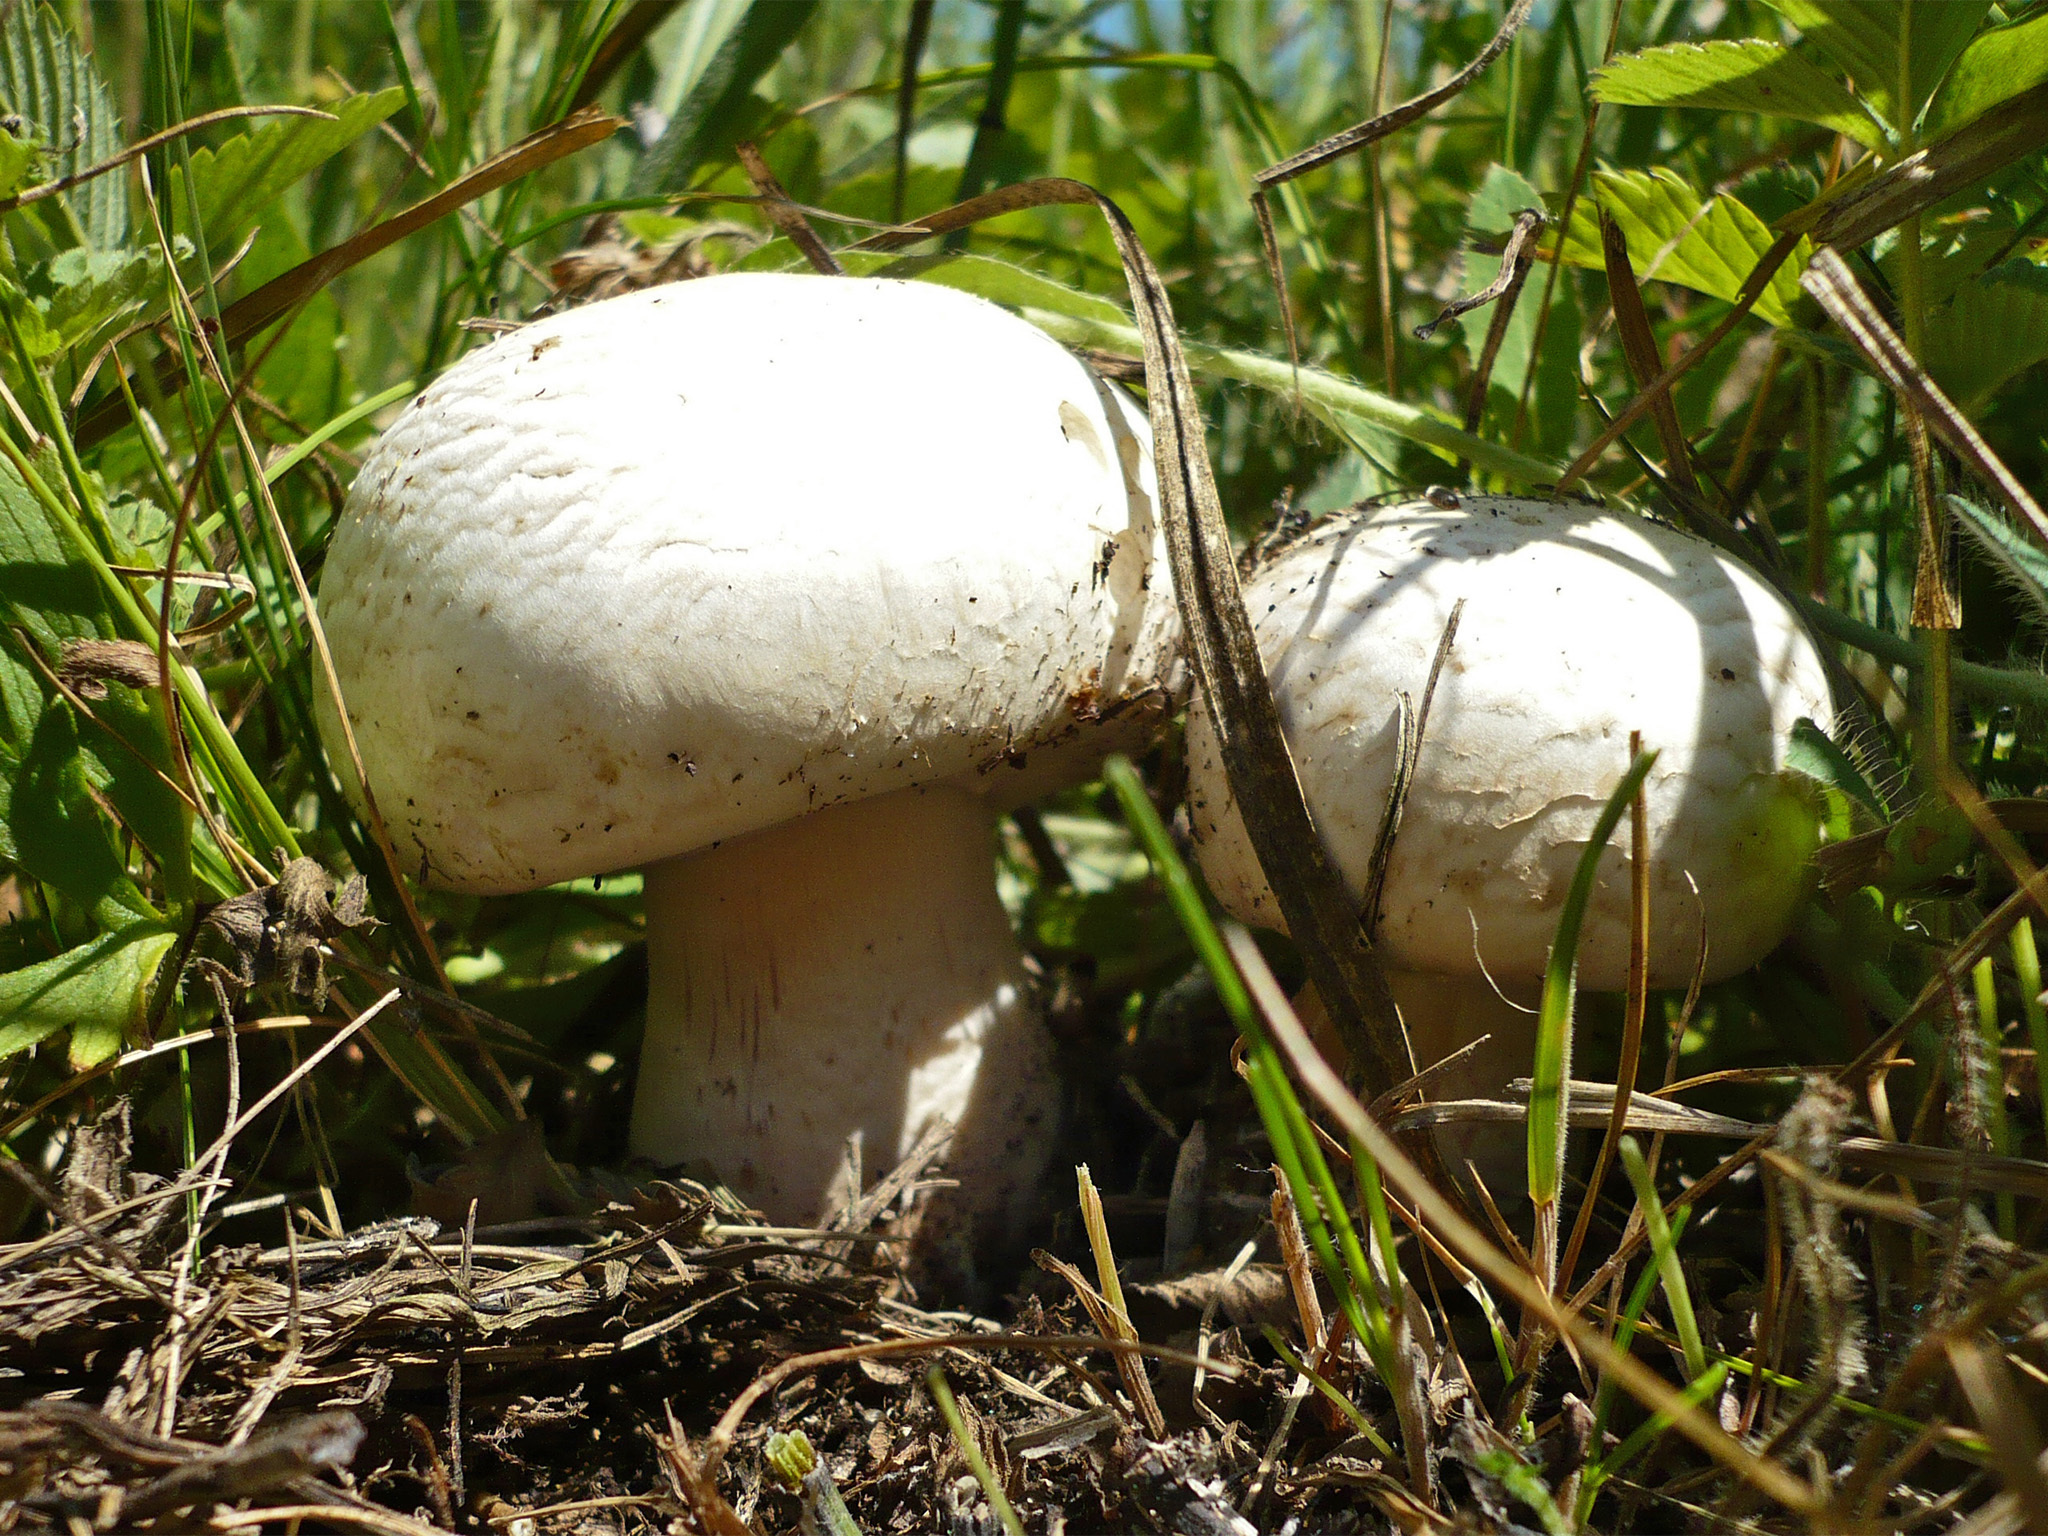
(778, 588)
(1578, 628)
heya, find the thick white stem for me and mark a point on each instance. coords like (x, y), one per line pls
(1445, 1012)
(849, 971)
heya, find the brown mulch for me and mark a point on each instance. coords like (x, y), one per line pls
(569, 1376)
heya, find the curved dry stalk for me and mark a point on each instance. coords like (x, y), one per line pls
(141, 147)
(1310, 892)
(1472, 1247)
(1752, 289)
(258, 310)
(1361, 136)
(722, 1433)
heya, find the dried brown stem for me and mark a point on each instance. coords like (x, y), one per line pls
(1308, 889)
(141, 147)
(1834, 286)
(784, 214)
(1639, 351)
(1745, 300)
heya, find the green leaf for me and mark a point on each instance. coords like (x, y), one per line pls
(1748, 76)
(1992, 329)
(999, 281)
(708, 121)
(77, 297)
(21, 163)
(51, 827)
(238, 181)
(1993, 69)
(2021, 564)
(1863, 38)
(1501, 195)
(99, 991)
(55, 89)
(54, 768)
(1675, 236)
(1811, 752)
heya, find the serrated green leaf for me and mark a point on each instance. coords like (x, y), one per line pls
(1811, 752)
(20, 163)
(238, 181)
(1674, 236)
(60, 95)
(38, 342)
(1995, 68)
(99, 991)
(1992, 329)
(79, 295)
(1748, 76)
(1863, 37)
(145, 528)
(2022, 564)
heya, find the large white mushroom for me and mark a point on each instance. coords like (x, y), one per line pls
(1578, 628)
(778, 588)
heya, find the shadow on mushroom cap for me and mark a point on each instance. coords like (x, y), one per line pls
(690, 562)
(1579, 626)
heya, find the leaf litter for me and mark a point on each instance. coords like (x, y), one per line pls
(410, 1375)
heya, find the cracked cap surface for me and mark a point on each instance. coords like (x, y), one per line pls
(690, 562)
(1578, 627)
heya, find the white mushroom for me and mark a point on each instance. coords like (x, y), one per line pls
(1578, 628)
(779, 588)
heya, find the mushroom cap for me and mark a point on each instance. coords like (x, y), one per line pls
(694, 561)
(1578, 628)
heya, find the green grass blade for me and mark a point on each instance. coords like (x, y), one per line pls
(1625, 1326)
(2026, 962)
(1344, 1405)
(1700, 1389)
(1549, 1087)
(1351, 1276)
(1343, 405)
(942, 1396)
(1664, 1248)
(1984, 981)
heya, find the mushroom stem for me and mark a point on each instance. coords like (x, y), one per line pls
(1445, 1012)
(848, 971)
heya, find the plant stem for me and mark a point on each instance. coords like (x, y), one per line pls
(2026, 964)
(942, 1397)
(1984, 981)
(1669, 1273)
(1816, 479)
(1339, 402)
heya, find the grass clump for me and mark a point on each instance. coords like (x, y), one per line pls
(288, 1135)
